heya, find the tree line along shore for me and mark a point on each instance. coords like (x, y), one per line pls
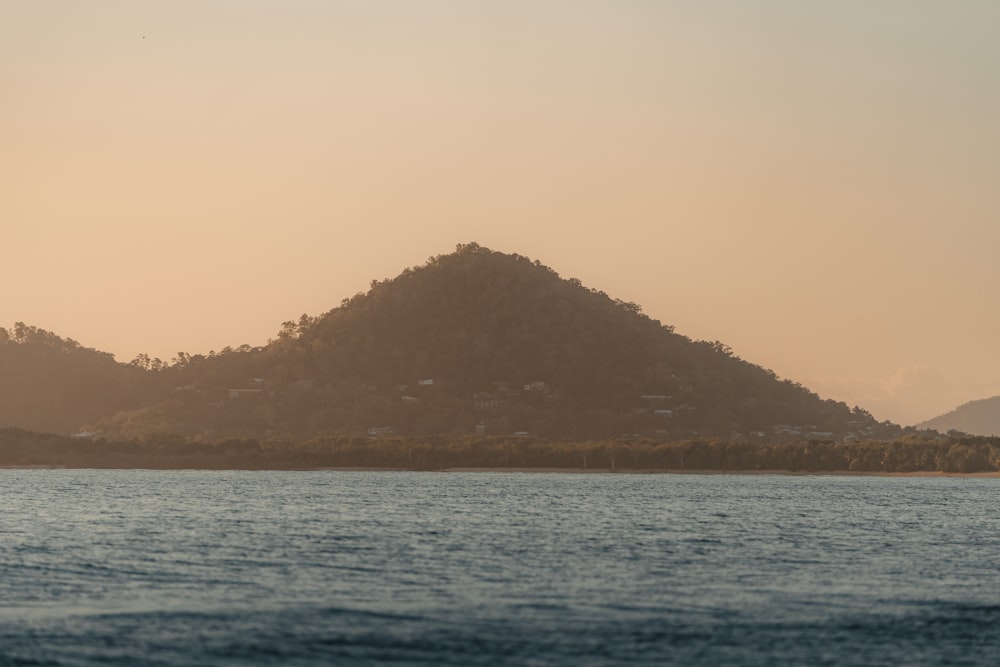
(924, 452)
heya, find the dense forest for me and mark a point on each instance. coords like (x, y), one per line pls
(475, 342)
(919, 452)
(50, 383)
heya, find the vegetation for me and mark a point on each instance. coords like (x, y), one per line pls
(54, 384)
(474, 342)
(915, 453)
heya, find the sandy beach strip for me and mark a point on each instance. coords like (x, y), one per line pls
(529, 470)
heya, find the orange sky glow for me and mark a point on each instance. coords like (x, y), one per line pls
(814, 184)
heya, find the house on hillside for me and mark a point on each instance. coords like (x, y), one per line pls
(380, 432)
(235, 394)
(486, 401)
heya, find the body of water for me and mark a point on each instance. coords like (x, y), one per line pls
(113, 567)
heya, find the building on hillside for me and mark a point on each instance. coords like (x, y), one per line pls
(486, 401)
(243, 393)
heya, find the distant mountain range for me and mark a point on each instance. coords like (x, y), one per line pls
(475, 341)
(980, 417)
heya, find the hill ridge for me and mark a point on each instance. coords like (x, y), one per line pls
(479, 341)
(978, 417)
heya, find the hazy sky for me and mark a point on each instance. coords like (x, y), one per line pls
(812, 183)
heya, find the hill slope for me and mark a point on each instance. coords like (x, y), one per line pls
(480, 341)
(980, 417)
(48, 383)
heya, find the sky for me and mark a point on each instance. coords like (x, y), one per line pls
(811, 183)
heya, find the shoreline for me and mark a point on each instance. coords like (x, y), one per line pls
(541, 470)
(786, 473)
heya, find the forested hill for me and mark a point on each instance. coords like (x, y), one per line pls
(975, 417)
(54, 384)
(481, 341)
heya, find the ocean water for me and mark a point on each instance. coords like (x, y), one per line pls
(369, 568)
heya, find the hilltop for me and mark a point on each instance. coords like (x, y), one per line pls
(980, 417)
(487, 342)
(475, 342)
(49, 383)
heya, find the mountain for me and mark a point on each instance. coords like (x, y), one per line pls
(475, 341)
(975, 417)
(479, 341)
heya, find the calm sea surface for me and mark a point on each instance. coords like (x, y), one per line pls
(362, 568)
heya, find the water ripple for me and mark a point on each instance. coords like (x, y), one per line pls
(311, 568)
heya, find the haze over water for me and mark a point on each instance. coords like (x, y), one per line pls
(310, 568)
